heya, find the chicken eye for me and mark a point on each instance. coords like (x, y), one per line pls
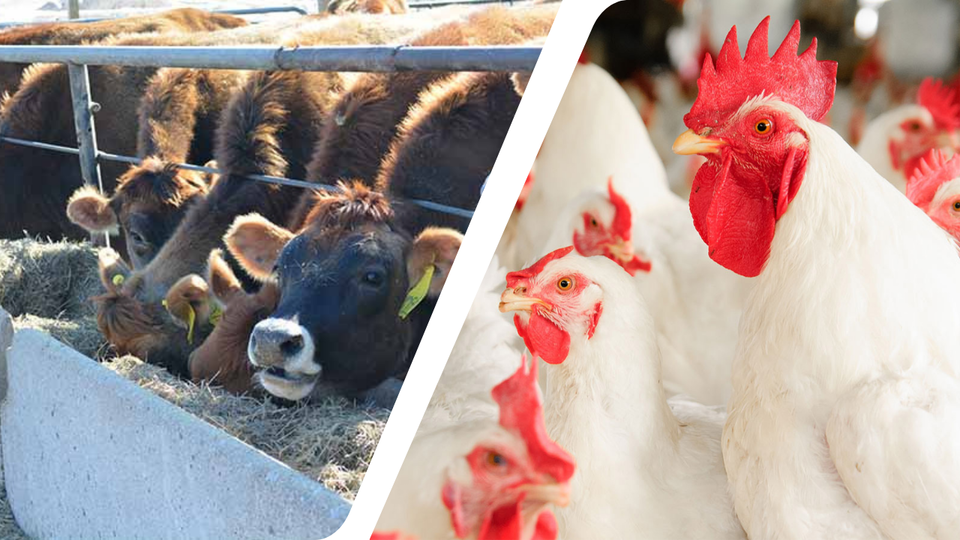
(763, 127)
(956, 206)
(496, 460)
(565, 283)
(593, 221)
(915, 126)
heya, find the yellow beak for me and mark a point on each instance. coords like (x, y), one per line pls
(511, 301)
(689, 143)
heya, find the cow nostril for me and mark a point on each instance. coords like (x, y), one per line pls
(292, 346)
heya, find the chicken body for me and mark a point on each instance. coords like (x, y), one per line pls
(647, 467)
(845, 384)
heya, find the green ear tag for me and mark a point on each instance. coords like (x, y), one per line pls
(191, 320)
(118, 280)
(417, 293)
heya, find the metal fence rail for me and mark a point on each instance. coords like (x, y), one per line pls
(379, 58)
(358, 59)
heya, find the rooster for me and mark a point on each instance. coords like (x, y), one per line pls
(596, 133)
(486, 479)
(845, 415)
(695, 304)
(894, 142)
(935, 188)
(647, 467)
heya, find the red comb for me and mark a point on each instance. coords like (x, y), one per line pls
(941, 100)
(802, 81)
(933, 170)
(521, 411)
(623, 216)
(537, 267)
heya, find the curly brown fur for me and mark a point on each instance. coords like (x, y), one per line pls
(447, 146)
(159, 185)
(358, 131)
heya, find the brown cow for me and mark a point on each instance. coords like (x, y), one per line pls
(349, 315)
(447, 146)
(148, 204)
(66, 33)
(293, 106)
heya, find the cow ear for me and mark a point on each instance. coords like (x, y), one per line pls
(520, 80)
(210, 178)
(256, 244)
(113, 271)
(437, 248)
(188, 301)
(223, 282)
(92, 211)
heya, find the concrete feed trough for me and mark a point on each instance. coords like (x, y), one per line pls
(89, 454)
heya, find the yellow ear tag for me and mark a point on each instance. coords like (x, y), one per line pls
(191, 320)
(216, 313)
(417, 293)
(118, 280)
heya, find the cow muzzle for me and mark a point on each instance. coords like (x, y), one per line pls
(283, 351)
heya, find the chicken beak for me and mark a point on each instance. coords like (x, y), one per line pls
(621, 250)
(558, 494)
(511, 301)
(689, 143)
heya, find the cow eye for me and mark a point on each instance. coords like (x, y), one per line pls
(373, 278)
(136, 238)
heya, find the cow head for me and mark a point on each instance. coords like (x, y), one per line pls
(148, 331)
(349, 282)
(149, 202)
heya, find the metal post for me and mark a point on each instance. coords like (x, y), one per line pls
(73, 9)
(83, 109)
(322, 5)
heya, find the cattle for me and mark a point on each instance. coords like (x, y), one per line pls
(447, 146)
(67, 33)
(355, 293)
(181, 110)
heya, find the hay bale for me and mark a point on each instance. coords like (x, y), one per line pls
(53, 280)
(48, 285)
(331, 441)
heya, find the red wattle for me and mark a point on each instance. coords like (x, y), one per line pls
(451, 499)
(546, 526)
(504, 523)
(735, 220)
(543, 338)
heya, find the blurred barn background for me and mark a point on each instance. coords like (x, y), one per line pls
(884, 48)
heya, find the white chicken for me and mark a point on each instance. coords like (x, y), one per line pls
(596, 133)
(935, 188)
(845, 415)
(695, 304)
(647, 467)
(894, 142)
(485, 479)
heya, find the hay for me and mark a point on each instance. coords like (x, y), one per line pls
(331, 441)
(47, 286)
